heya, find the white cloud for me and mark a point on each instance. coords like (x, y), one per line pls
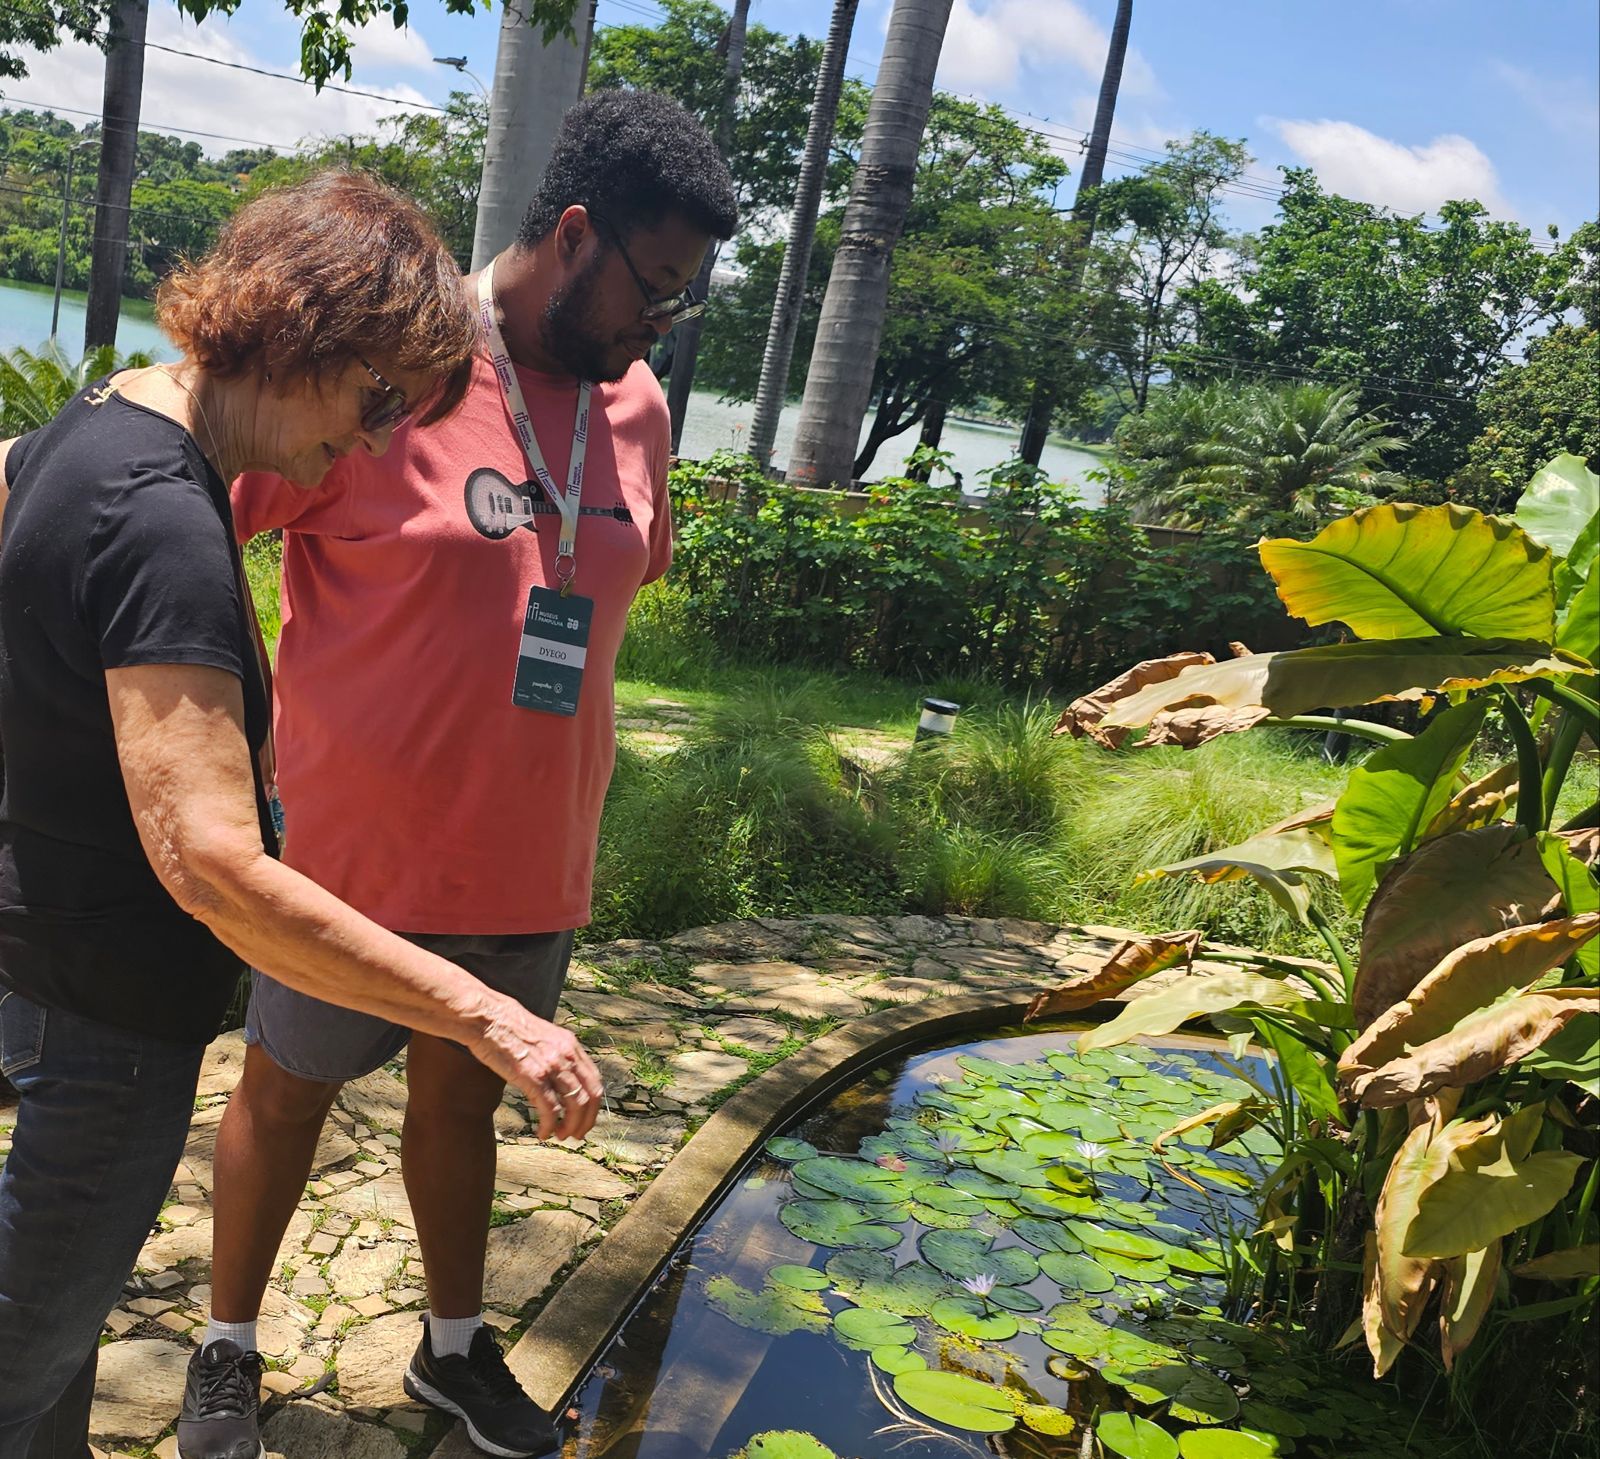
(380, 43)
(991, 44)
(180, 91)
(1360, 164)
(1565, 104)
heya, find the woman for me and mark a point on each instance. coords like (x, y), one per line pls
(137, 867)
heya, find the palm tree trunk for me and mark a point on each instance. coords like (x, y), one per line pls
(1037, 427)
(774, 387)
(839, 384)
(113, 190)
(681, 380)
(534, 84)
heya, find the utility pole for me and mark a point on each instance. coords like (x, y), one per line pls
(1037, 426)
(534, 85)
(681, 380)
(113, 192)
(61, 243)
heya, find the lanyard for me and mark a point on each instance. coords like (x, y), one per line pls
(568, 502)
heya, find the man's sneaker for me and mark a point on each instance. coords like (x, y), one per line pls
(480, 1391)
(221, 1404)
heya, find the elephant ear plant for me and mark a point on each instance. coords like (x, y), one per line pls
(1437, 1094)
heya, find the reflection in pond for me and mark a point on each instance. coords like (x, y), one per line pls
(981, 1249)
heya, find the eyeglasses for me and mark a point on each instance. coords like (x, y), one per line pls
(389, 409)
(675, 308)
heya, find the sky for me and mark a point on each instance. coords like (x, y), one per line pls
(1404, 103)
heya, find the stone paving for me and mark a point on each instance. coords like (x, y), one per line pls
(674, 1026)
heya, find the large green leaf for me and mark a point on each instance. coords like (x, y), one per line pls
(1579, 631)
(785, 1444)
(1473, 976)
(1559, 502)
(1466, 1294)
(1466, 1210)
(864, 1329)
(1403, 571)
(837, 1223)
(1158, 1013)
(1133, 1437)
(1206, 700)
(777, 1310)
(957, 1400)
(1573, 1264)
(1225, 1444)
(1278, 861)
(1573, 1055)
(1580, 892)
(1391, 797)
(1448, 891)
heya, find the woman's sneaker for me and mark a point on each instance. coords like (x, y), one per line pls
(480, 1391)
(221, 1404)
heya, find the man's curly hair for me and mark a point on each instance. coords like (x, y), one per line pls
(636, 158)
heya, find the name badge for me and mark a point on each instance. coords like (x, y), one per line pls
(555, 642)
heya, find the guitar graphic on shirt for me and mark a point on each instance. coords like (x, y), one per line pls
(496, 507)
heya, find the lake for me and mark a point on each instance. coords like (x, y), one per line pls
(712, 423)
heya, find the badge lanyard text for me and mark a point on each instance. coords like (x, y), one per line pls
(568, 502)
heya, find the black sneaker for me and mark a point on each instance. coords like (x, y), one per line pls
(480, 1391)
(221, 1404)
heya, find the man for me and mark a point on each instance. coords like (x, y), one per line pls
(443, 756)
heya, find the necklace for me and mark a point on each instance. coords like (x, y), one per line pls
(204, 419)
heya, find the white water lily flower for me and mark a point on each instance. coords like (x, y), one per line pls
(982, 1285)
(1091, 1151)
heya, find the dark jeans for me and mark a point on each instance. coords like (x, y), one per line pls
(100, 1129)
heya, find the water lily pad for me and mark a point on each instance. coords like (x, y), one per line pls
(854, 1180)
(788, 1149)
(1046, 1235)
(910, 1292)
(847, 1267)
(1055, 1204)
(1045, 1418)
(865, 1328)
(1134, 1438)
(892, 1360)
(943, 1197)
(1081, 1273)
(1259, 1414)
(802, 1278)
(1014, 1167)
(785, 1444)
(1194, 1260)
(963, 1254)
(953, 1398)
(1015, 1299)
(837, 1223)
(1123, 1243)
(942, 1220)
(1134, 1269)
(1225, 1444)
(1070, 1179)
(968, 1317)
(1198, 1396)
(776, 1310)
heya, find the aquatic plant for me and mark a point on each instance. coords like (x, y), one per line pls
(1437, 1096)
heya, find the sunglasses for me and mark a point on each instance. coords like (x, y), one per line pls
(388, 409)
(675, 308)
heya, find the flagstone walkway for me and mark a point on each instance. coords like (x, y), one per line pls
(674, 1026)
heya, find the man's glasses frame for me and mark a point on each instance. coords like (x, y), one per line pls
(389, 409)
(675, 308)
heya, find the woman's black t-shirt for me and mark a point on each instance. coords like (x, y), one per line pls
(116, 550)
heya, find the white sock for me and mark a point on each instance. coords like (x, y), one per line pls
(452, 1336)
(243, 1333)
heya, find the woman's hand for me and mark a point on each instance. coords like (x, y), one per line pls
(547, 1064)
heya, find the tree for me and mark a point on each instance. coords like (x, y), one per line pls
(42, 25)
(960, 281)
(773, 389)
(1046, 388)
(839, 383)
(1532, 412)
(1160, 232)
(1418, 315)
(1254, 458)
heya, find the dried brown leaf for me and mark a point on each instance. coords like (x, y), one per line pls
(1131, 962)
(1082, 717)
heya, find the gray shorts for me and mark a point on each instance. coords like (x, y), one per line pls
(317, 1040)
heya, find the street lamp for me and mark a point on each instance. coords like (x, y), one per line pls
(459, 63)
(61, 243)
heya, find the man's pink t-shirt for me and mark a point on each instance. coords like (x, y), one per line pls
(413, 788)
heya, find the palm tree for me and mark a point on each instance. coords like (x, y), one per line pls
(34, 387)
(839, 383)
(773, 389)
(113, 192)
(687, 345)
(1037, 427)
(1260, 457)
(537, 75)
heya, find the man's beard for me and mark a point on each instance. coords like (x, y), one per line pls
(569, 336)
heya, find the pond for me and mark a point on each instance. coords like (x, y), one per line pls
(981, 1249)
